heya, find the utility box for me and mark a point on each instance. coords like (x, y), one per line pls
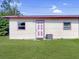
(49, 36)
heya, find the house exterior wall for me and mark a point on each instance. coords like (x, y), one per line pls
(28, 33)
(54, 27)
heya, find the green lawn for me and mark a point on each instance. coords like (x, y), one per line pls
(29, 49)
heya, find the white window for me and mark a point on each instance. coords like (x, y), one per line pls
(21, 25)
(67, 25)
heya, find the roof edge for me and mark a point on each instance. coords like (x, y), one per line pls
(41, 16)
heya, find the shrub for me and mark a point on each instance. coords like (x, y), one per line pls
(4, 26)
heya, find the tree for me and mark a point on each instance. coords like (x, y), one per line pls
(7, 9)
(10, 7)
(4, 26)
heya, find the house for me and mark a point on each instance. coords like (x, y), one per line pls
(43, 27)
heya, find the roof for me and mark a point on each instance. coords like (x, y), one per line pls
(43, 17)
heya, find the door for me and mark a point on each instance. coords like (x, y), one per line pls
(40, 29)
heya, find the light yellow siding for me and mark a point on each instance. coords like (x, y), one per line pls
(54, 27)
(28, 33)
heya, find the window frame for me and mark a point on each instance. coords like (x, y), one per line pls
(66, 25)
(19, 23)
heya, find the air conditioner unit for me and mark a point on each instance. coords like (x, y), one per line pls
(49, 36)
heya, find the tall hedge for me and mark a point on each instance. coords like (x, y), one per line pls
(4, 26)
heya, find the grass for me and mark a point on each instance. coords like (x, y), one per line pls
(28, 49)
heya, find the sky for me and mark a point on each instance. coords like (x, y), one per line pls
(49, 7)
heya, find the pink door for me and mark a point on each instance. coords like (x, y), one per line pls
(40, 28)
